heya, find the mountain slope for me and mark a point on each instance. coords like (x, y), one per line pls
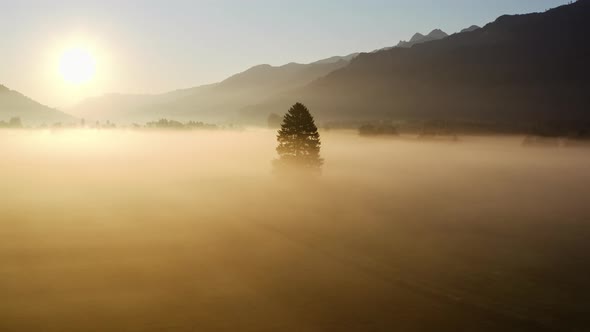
(225, 99)
(334, 59)
(214, 102)
(220, 101)
(518, 69)
(117, 106)
(419, 38)
(471, 28)
(14, 104)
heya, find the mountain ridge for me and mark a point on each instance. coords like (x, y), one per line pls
(503, 72)
(260, 79)
(437, 76)
(419, 38)
(15, 104)
(471, 28)
(211, 102)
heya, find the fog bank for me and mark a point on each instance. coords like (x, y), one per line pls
(148, 231)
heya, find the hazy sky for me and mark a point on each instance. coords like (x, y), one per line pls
(154, 46)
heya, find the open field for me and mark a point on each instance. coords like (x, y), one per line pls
(189, 231)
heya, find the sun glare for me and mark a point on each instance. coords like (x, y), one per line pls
(77, 66)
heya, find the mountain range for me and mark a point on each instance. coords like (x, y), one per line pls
(220, 101)
(419, 38)
(471, 28)
(31, 113)
(215, 102)
(519, 69)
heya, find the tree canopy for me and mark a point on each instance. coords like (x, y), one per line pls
(299, 141)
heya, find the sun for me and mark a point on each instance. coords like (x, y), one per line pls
(77, 66)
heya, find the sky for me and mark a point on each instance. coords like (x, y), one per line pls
(151, 46)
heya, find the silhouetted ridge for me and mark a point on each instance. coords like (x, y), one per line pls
(518, 69)
(417, 37)
(471, 28)
(335, 59)
(437, 34)
(214, 102)
(15, 105)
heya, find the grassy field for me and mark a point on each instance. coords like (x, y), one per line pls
(189, 231)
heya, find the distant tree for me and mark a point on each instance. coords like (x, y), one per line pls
(15, 123)
(109, 125)
(274, 121)
(437, 129)
(165, 123)
(173, 124)
(379, 130)
(199, 125)
(299, 141)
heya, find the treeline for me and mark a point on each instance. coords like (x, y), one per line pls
(378, 130)
(16, 122)
(552, 135)
(12, 123)
(173, 124)
(461, 127)
(539, 134)
(427, 130)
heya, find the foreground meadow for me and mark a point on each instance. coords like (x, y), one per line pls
(189, 231)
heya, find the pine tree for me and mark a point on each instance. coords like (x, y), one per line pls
(299, 141)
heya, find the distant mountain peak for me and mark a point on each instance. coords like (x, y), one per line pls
(417, 37)
(291, 64)
(437, 34)
(493, 75)
(471, 28)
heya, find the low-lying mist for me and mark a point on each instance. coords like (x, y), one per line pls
(190, 231)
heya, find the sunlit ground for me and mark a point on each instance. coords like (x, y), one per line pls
(189, 231)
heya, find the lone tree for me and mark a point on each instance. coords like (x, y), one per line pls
(299, 142)
(15, 123)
